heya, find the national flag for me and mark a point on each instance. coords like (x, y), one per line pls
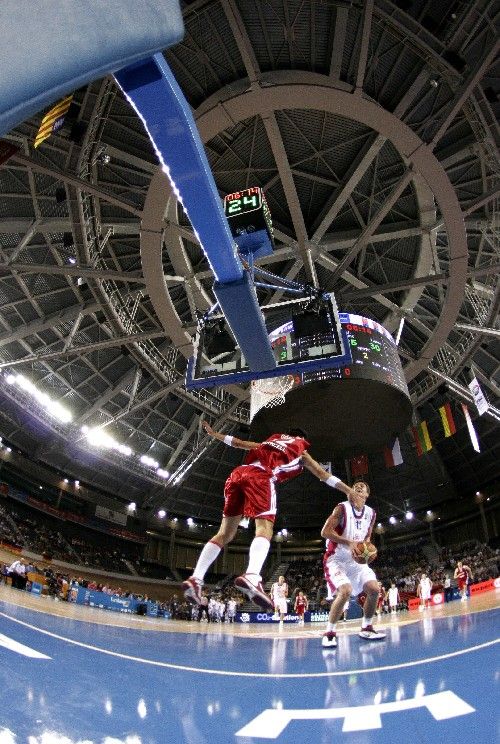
(393, 456)
(472, 431)
(53, 120)
(422, 439)
(358, 465)
(447, 419)
(478, 395)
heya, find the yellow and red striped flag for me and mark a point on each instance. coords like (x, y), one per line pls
(447, 420)
(53, 120)
(422, 439)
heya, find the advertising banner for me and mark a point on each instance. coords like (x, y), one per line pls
(113, 602)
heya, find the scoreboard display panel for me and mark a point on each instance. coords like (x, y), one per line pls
(295, 353)
(374, 355)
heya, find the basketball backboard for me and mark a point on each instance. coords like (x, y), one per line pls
(306, 336)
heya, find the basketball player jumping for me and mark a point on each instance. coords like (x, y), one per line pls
(250, 491)
(350, 522)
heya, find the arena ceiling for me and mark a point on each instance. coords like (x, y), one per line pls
(373, 129)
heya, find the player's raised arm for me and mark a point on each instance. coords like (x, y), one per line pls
(229, 440)
(315, 468)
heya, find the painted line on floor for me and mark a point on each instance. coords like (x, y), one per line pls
(20, 648)
(262, 675)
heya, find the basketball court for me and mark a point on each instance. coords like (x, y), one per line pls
(75, 674)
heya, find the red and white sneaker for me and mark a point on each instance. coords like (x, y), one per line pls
(251, 585)
(192, 590)
(329, 640)
(371, 634)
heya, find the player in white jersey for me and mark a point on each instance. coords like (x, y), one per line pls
(424, 591)
(393, 597)
(279, 593)
(350, 522)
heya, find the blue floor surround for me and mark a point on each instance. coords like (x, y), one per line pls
(435, 680)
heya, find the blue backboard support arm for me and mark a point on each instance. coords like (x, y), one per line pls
(154, 93)
(49, 49)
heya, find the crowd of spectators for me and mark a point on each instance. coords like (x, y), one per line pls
(41, 534)
(403, 565)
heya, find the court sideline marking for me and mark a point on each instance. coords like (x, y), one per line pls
(224, 673)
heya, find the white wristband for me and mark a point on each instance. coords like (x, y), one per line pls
(228, 440)
(332, 481)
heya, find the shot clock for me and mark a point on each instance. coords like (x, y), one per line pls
(249, 220)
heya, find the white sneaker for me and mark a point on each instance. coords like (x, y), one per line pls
(371, 634)
(329, 640)
(192, 590)
(254, 590)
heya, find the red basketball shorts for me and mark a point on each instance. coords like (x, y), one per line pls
(462, 583)
(251, 492)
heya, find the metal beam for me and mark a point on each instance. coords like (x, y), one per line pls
(183, 441)
(107, 396)
(365, 41)
(133, 277)
(463, 93)
(478, 329)
(48, 321)
(338, 42)
(78, 183)
(86, 348)
(374, 223)
(481, 201)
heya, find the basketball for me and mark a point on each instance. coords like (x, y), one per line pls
(364, 552)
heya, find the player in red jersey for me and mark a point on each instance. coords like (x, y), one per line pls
(301, 605)
(462, 574)
(250, 491)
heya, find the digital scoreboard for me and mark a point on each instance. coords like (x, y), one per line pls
(354, 408)
(250, 221)
(373, 350)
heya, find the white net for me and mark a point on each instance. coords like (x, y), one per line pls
(269, 392)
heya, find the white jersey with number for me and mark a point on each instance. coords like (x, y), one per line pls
(353, 526)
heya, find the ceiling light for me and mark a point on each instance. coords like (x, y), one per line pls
(77, 483)
(409, 515)
(8, 449)
(190, 522)
(72, 260)
(392, 520)
(162, 513)
(147, 460)
(131, 506)
(10, 379)
(66, 480)
(163, 473)
(429, 512)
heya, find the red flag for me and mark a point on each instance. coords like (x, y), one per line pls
(358, 465)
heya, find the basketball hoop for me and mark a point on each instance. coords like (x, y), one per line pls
(269, 392)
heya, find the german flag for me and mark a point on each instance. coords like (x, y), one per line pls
(422, 439)
(447, 420)
(53, 120)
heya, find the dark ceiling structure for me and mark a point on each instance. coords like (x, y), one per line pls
(372, 127)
